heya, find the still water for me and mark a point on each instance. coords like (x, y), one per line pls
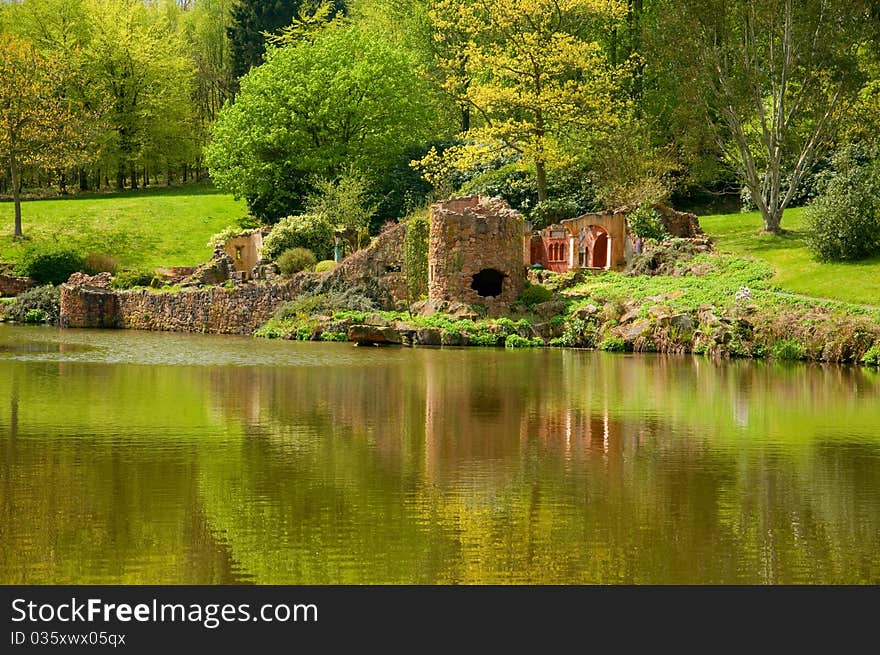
(131, 457)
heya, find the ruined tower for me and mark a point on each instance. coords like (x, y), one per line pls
(475, 252)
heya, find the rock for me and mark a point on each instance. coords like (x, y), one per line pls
(428, 337)
(99, 281)
(637, 329)
(629, 316)
(373, 334)
(452, 338)
(682, 322)
(215, 271)
(375, 319)
(658, 312)
(461, 311)
(586, 311)
(550, 308)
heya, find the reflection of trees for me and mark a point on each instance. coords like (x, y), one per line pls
(440, 466)
(538, 468)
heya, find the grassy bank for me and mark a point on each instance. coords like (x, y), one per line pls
(796, 270)
(718, 305)
(140, 229)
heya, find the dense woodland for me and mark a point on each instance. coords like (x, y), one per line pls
(560, 106)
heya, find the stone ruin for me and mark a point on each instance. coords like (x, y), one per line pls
(475, 252)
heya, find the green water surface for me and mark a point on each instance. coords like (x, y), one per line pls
(132, 457)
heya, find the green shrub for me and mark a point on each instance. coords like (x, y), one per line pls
(483, 339)
(129, 279)
(295, 260)
(325, 265)
(554, 210)
(310, 231)
(788, 349)
(506, 324)
(843, 222)
(612, 344)
(516, 341)
(872, 356)
(579, 333)
(35, 316)
(39, 302)
(97, 262)
(334, 336)
(645, 222)
(535, 294)
(50, 265)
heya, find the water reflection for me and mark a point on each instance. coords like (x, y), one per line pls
(340, 464)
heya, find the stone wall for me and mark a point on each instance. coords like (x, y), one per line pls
(12, 285)
(89, 302)
(244, 251)
(475, 252)
(380, 268)
(216, 310)
(680, 224)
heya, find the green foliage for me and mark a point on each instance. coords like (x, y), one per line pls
(506, 324)
(295, 260)
(872, 356)
(344, 202)
(50, 264)
(333, 336)
(325, 265)
(129, 279)
(227, 233)
(843, 222)
(646, 222)
(311, 231)
(35, 316)
(359, 103)
(788, 349)
(38, 303)
(516, 341)
(415, 254)
(535, 294)
(553, 210)
(612, 344)
(579, 333)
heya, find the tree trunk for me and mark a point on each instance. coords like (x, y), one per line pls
(16, 196)
(772, 219)
(134, 179)
(146, 178)
(541, 175)
(120, 178)
(83, 180)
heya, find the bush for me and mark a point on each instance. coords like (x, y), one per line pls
(129, 279)
(553, 210)
(516, 341)
(788, 349)
(37, 305)
(97, 262)
(50, 266)
(535, 294)
(612, 344)
(645, 222)
(325, 265)
(872, 356)
(295, 260)
(843, 222)
(310, 231)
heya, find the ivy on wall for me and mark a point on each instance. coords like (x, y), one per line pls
(415, 253)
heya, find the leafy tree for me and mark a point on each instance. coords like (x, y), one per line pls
(252, 20)
(533, 74)
(346, 99)
(38, 126)
(775, 79)
(345, 201)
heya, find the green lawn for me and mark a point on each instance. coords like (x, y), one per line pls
(796, 270)
(141, 229)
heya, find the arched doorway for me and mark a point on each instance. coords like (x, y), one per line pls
(599, 251)
(488, 282)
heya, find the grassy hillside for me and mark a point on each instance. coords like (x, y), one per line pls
(157, 227)
(796, 270)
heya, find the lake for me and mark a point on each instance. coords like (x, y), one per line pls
(130, 457)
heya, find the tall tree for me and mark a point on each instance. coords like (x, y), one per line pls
(251, 21)
(774, 78)
(38, 126)
(533, 75)
(344, 98)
